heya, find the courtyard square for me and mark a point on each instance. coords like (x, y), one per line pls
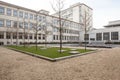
(102, 65)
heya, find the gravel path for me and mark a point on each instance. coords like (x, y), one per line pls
(103, 65)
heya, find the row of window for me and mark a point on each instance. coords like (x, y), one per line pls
(57, 37)
(21, 36)
(66, 23)
(21, 14)
(10, 23)
(66, 31)
(104, 36)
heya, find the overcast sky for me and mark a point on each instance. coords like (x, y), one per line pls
(103, 10)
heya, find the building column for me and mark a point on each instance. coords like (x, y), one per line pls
(110, 35)
(11, 37)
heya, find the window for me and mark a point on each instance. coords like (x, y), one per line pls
(40, 18)
(114, 35)
(15, 13)
(15, 24)
(39, 37)
(98, 36)
(53, 37)
(43, 36)
(8, 23)
(1, 35)
(86, 36)
(26, 16)
(20, 24)
(35, 17)
(14, 35)
(9, 11)
(21, 14)
(30, 36)
(20, 35)
(26, 25)
(106, 36)
(8, 35)
(31, 16)
(92, 39)
(1, 23)
(31, 26)
(26, 36)
(2, 10)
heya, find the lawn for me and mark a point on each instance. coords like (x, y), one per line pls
(49, 52)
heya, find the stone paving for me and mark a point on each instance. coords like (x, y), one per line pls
(103, 65)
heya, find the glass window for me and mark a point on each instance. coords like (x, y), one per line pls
(26, 16)
(1, 23)
(98, 36)
(14, 35)
(2, 10)
(30, 36)
(40, 18)
(8, 35)
(106, 36)
(1, 35)
(114, 36)
(86, 36)
(15, 24)
(31, 26)
(20, 35)
(9, 11)
(26, 25)
(53, 37)
(8, 23)
(35, 17)
(21, 14)
(15, 13)
(20, 24)
(31, 16)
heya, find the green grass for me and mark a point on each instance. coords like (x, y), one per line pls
(49, 52)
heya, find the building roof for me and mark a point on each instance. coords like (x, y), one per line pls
(114, 25)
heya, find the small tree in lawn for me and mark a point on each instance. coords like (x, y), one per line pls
(86, 22)
(16, 34)
(44, 28)
(36, 29)
(9, 33)
(24, 32)
(59, 5)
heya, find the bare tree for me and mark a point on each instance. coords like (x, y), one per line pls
(36, 29)
(25, 33)
(59, 5)
(44, 26)
(15, 25)
(86, 25)
(8, 34)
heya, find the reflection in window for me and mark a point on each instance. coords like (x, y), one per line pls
(98, 36)
(9, 11)
(21, 14)
(8, 23)
(1, 23)
(15, 13)
(114, 35)
(2, 10)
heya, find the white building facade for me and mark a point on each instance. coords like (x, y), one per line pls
(79, 13)
(109, 34)
(18, 25)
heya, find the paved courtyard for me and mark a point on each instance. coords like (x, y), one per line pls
(103, 65)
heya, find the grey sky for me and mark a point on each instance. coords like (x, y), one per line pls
(103, 10)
